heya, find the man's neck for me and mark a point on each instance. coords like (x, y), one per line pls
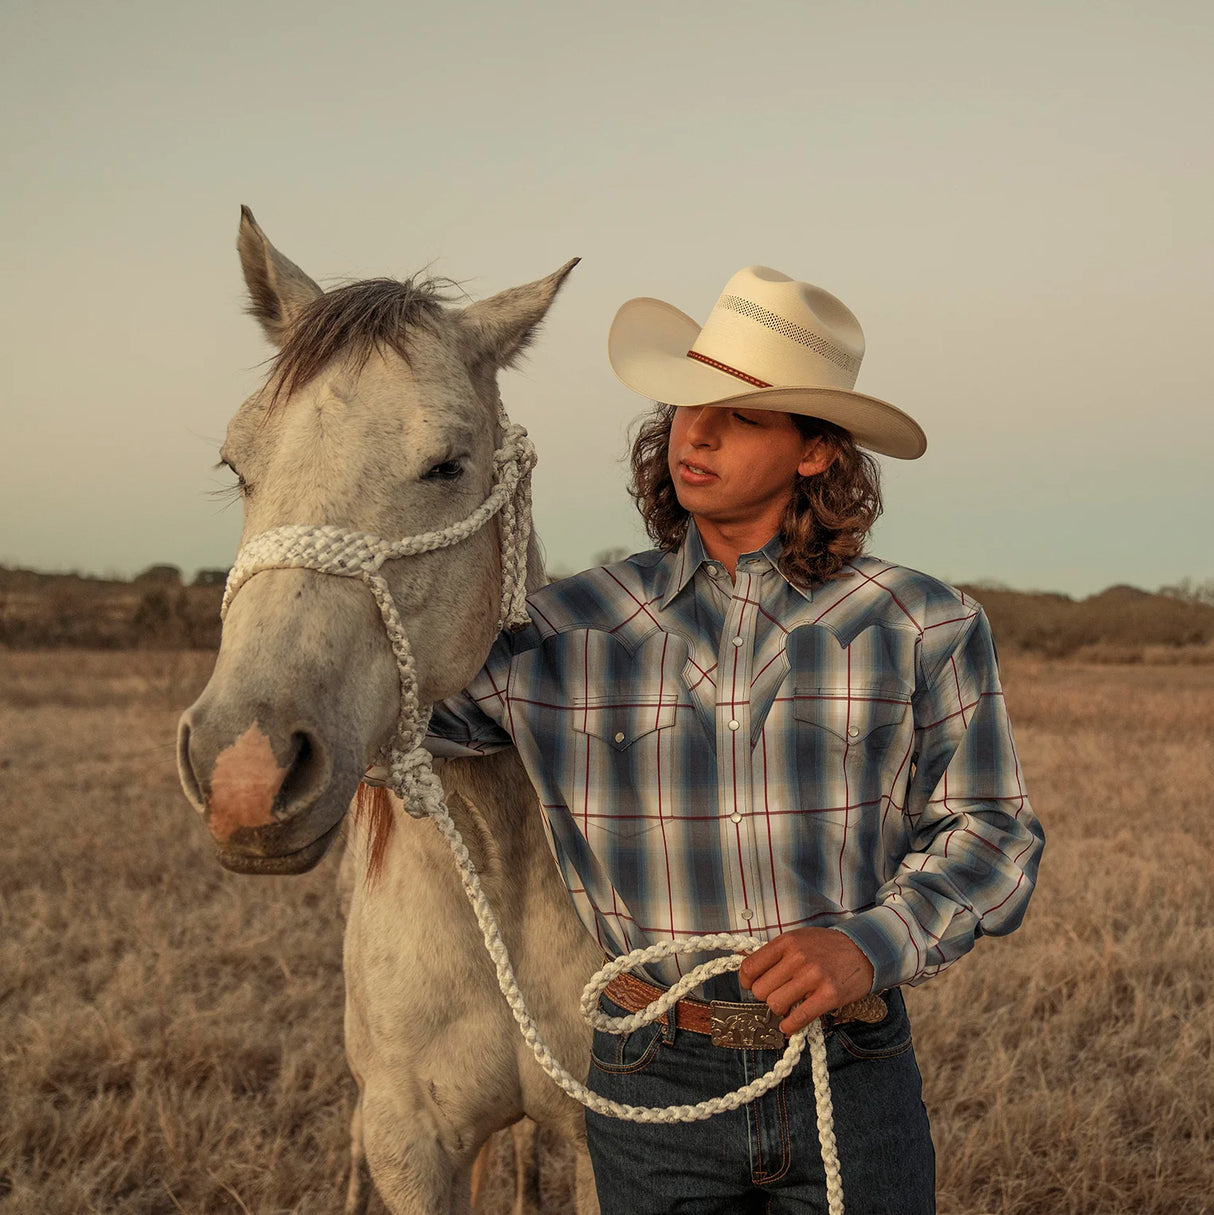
(726, 542)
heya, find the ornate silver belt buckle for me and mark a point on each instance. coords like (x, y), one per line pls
(746, 1026)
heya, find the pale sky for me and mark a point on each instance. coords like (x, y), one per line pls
(1016, 201)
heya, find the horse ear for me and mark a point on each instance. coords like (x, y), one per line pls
(500, 328)
(278, 289)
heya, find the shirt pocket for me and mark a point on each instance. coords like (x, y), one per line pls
(623, 720)
(620, 722)
(856, 716)
(620, 760)
(851, 742)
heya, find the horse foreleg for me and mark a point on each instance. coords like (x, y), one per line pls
(526, 1167)
(414, 1171)
(587, 1195)
(480, 1169)
(524, 1143)
(358, 1191)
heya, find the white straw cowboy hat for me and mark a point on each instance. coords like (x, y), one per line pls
(769, 343)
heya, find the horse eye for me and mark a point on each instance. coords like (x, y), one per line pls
(241, 488)
(448, 470)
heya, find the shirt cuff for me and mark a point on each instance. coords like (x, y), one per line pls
(882, 937)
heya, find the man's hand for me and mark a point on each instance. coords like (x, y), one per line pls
(816, 969)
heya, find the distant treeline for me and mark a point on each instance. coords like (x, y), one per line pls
(155, 610)
(158, 610)
(1117, 625)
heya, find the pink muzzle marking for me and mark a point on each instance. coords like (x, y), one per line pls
(244, 783)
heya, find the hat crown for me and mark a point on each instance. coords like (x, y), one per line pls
(769, 327)
(770, 342)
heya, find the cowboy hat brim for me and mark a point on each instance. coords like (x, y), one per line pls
(648, 346)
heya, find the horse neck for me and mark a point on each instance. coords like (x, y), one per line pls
(537, 576)
(494, 808)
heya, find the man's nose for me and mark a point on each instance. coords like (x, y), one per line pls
(702, 429)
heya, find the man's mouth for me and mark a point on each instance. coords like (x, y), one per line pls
(695, 473)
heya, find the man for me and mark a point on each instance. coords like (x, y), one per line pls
(755, 729)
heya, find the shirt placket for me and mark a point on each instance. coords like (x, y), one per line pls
(735, 661)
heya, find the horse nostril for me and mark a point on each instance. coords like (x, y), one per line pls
(308, 773)
(185, 767)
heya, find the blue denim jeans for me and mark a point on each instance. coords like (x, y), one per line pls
(764, 1157)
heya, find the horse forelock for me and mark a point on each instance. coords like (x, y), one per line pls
(356, 319)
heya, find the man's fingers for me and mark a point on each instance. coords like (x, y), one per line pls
(755, 964)
(786, 995)
(774, 977)
(806, 972)
(804, 1013)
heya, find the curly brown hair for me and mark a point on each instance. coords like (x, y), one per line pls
(827, 518)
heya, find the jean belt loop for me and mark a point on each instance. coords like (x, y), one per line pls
(669, 1029)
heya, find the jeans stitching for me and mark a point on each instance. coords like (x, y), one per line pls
(761, 1178)
(858, 1052)
(752, 1069)
(623, 1069)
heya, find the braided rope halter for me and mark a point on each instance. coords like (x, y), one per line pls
(331, 550)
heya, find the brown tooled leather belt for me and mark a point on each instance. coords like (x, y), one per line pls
(743, 1025)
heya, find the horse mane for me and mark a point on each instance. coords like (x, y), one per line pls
(373, 805)
(357, 318)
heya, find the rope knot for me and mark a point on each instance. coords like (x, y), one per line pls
(414, 781)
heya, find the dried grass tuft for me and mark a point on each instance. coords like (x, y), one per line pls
(170, 1034)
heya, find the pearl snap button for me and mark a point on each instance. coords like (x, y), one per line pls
(747, 914)
(736, 640)
(712, 570)
(620, 736)
(735, 725)
(853, 732)
(735, 818)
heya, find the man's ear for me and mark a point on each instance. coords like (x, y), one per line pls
(278, 289)
(500, 328)
(817, 457)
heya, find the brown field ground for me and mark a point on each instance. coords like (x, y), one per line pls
(170, 1034)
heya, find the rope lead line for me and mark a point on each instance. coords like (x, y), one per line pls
(329, 550)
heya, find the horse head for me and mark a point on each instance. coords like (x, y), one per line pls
(380, 418)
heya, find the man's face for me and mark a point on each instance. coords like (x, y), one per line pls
(736, 467)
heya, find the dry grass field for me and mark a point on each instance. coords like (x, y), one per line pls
(170, 1034)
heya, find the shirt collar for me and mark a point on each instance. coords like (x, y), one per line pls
(681, 564)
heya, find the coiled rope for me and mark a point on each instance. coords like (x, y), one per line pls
(331, 550)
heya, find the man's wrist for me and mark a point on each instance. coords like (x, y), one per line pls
(880, 935)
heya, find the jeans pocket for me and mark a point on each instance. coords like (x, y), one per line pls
(883, 1040)
(623, 1054)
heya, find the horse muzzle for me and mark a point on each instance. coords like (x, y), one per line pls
(272, 799)
(307, 857)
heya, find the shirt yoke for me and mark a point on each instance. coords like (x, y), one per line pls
(622, 599)
(619, 598)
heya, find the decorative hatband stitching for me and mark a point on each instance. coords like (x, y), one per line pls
(741, 375)
(792, 331)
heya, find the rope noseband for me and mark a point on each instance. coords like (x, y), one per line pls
(330, 550)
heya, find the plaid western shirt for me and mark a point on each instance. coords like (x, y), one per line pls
(747, 756)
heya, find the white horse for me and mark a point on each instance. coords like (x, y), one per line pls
(381, 416)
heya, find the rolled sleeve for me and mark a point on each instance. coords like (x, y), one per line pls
(460, 728)
(473, 722)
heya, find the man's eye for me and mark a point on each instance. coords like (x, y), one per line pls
(448, 470)
(743, 418)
